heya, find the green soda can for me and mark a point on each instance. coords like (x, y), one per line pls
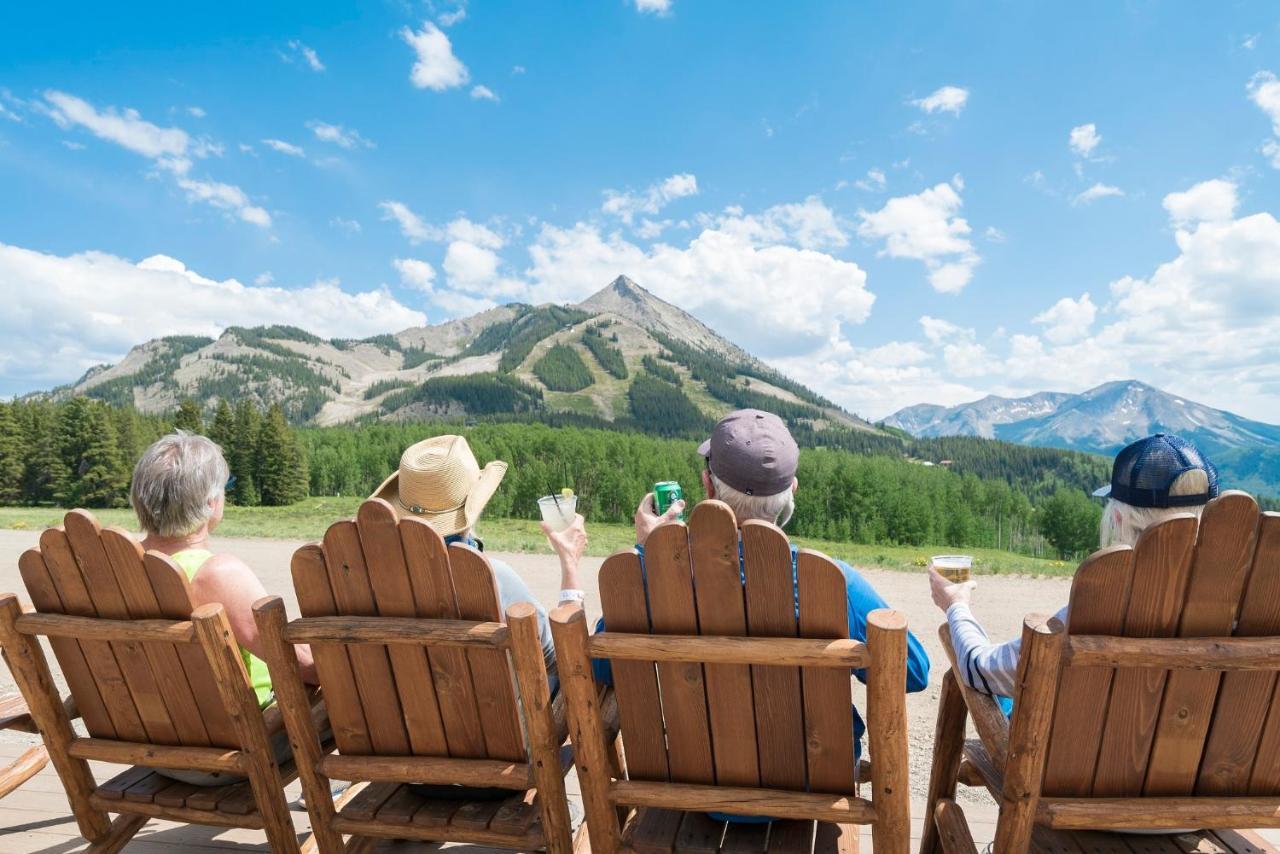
(665, 494)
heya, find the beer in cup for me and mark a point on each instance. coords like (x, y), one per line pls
(954, 568)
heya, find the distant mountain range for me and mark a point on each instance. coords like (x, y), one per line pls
(486, 364)
(1104, 419)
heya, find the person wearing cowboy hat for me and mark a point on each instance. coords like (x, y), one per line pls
(440, 482)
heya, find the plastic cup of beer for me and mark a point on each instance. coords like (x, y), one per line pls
(954, 568)
(558, 510)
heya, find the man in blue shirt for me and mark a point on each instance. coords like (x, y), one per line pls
(751, 466)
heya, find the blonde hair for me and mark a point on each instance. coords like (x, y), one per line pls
(1123, 523)
(777, 509)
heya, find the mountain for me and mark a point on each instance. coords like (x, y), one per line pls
(1104, 419)
(622, 355)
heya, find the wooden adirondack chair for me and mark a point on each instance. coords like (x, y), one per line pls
(15, 717)
(728, 703)
(158, 684)
(411, 651)
(1156, 706)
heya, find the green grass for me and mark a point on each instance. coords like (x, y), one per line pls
(308, 519)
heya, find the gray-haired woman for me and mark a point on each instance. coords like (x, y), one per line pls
(178, 494)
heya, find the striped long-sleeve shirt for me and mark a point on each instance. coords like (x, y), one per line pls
(991, 668)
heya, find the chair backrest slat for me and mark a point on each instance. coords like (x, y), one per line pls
(1162, 564)
(393, 597)
(432, 580)
(1155, 732)
(1223, 556)
(1245, 698)
(771, 612)
(722, 610)
(828, 724)
(622, 602)
(404, 699)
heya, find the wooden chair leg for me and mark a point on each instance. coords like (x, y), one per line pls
(31, 671)
(544, 746)
(23, 769)
(220, 649)
(286, 679)
(953, 828)
(948, 750)
(887, 710)
(122, 830)
(590, 755)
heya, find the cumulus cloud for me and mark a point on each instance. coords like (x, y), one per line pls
(1208, 201)
(483, 93)
(626, 205)
(171, 150)
(412, 226)
(1264, 91)
(927, 227)
(948, 99)
(875, 181)
(453, 16)
(197, 112)
(654, 7)
(1083, 139)
(284, 147)
(64, 314)
(350, 226)
(1097, 191)
(437, 68)
(415, 274)
(1068, 319)
(347, 138)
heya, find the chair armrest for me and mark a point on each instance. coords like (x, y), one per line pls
(988, 718)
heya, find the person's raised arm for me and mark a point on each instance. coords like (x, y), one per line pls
(227, 580)
(569, 545)
(982, 665)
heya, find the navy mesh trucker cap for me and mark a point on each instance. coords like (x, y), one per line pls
(1144, 472)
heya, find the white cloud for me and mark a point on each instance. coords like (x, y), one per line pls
(412, 226)
(809, 224)
(483, 93)
(1097, 191)
(1208, 201)
(517, 69)
(627, 205)
(648, 229)
(226, 197)
(307, 56)
(263, 279)
(654, 7)
(948, 99)
(436, 68)
(350, 226)
(348, 138)
(170, 149)
(457, 15)
(1250, 42)
(73, 145)
(927, 227)
(1264, 90)
(284, 147)
(64, 314)
(197, 112)
(875, 181)
(994, 234)
(415, 274)
(1083, 139)
(1068, 319)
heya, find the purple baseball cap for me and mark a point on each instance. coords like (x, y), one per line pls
(753, 452)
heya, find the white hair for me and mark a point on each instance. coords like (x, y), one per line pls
(777, 509)
(175, 483)
(1123, 523)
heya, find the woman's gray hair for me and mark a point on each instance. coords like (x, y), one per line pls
(175, 482)
(1123, 523)
(777, 509)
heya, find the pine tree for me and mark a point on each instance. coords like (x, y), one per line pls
(188, 417)
(282, 471)
(223, 428)
(46, 473)
(87, 442)
(13, 455)
(242, 456)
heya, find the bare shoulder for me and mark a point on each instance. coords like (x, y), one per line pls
(224, 565)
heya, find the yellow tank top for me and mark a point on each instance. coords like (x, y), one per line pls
(191, 560)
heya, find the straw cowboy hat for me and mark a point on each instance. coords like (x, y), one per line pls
(440, 482)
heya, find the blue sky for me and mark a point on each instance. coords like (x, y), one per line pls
(894, 203)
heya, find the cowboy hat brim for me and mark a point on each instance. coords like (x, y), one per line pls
(455, 520)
